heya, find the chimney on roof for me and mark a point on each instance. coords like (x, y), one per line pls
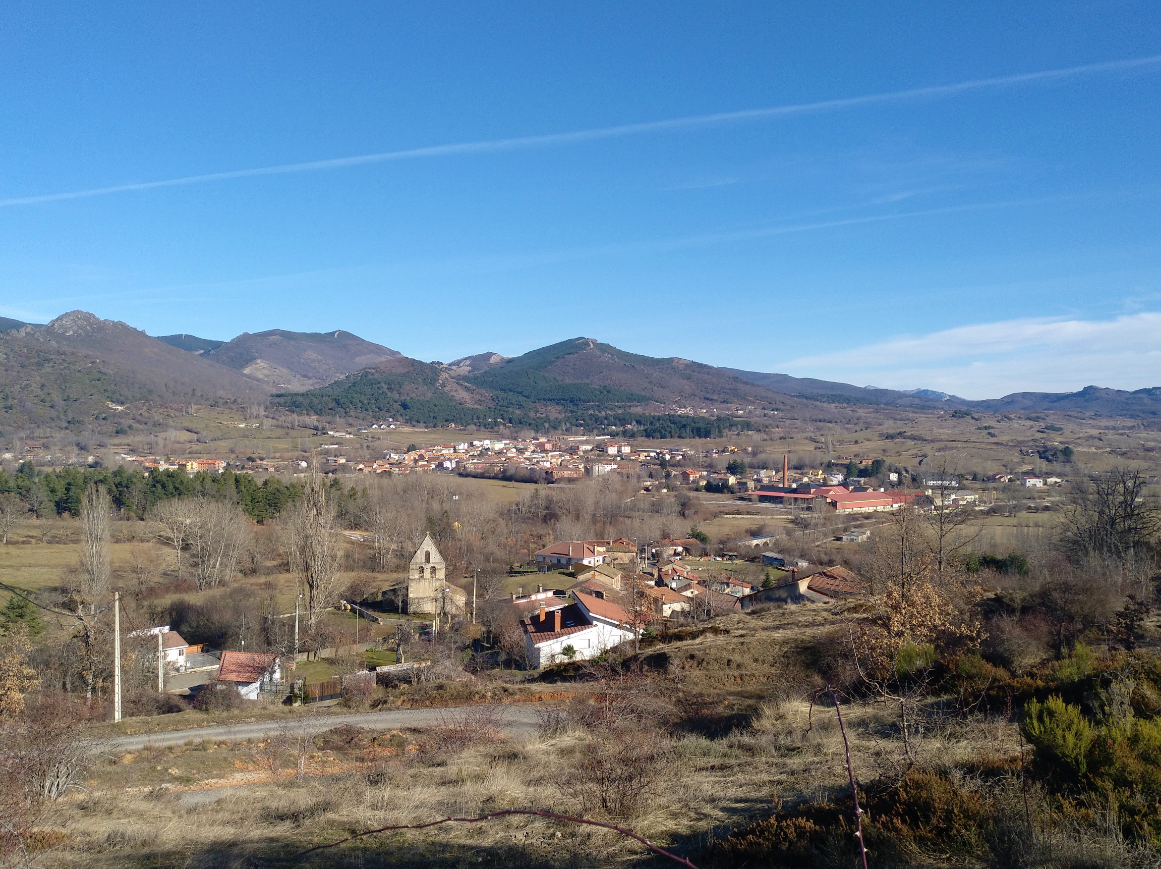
(543, 614)
(556, 620)
(539, 589)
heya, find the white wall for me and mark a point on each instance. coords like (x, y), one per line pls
(589, 643)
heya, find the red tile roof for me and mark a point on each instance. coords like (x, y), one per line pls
(573, 549)
(605, 609)
(245, 667)
(836, 581)
(594, 588)
(666, 595)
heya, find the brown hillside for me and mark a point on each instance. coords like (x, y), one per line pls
(142, 361)
(299, 360)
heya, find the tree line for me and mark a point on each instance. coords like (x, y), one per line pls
(132, 493)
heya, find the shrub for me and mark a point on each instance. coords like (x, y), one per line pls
(218, 698)
(911, 658)
(1078, 665)
(970, 676)
(926, 813)
(930, 814)
(359, 688)
(1059, 731)
(616, 773)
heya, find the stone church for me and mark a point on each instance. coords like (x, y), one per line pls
(426, 578)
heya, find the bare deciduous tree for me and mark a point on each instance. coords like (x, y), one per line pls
(88, 585)
(381, 517)
(96, 518)
(313, 548)
(11, 508)
(948, 521)
(914, 614)
(217, 534)
(1112, 516)
(42, 755)
(174, 515)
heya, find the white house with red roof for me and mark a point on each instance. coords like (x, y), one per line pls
(577, 631)
(249, 672)
(562, 556)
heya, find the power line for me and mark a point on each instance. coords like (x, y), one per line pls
(21, 593)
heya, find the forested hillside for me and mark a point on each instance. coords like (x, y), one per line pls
(44, 386)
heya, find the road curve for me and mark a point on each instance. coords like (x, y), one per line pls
(519, 719)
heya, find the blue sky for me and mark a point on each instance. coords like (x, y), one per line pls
(954, 197)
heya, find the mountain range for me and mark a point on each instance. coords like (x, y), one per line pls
(73, 368)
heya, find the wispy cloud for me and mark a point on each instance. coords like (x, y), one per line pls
(707, 183)
(618, 131)
(993, 359)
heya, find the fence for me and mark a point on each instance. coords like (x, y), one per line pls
(332, 689)
(274, 691)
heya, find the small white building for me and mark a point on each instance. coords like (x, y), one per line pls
(172, 644)
(577, 631)
(1034, 483)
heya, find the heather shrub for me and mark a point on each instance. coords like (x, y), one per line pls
(1059, 732)
(924, 816)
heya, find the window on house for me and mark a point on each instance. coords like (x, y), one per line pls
(427, 557)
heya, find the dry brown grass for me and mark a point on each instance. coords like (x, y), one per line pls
(208, 803)
(217, 804)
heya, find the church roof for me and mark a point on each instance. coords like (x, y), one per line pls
(436, 558)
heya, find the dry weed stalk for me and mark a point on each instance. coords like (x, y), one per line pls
(851, 774)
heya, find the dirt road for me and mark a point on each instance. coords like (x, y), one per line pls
(516, 720)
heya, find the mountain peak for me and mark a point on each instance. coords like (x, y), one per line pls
(476, 364)
(76, 323)
(299, 360)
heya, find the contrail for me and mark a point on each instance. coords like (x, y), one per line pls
(623, 130)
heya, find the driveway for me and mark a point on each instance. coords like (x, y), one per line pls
(519, 719)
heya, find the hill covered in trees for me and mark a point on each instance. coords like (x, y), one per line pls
(573, 383)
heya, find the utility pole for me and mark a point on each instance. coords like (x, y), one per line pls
(475, 579)
(160, 663)
(116, 656)
(296, 600)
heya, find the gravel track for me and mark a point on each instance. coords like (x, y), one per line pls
(515, 720)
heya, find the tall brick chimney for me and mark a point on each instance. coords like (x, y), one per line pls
(543, 614)
(556, 620)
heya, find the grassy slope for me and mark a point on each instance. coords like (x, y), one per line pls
(137, 809)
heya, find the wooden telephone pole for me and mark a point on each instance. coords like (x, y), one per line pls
(117, 656)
